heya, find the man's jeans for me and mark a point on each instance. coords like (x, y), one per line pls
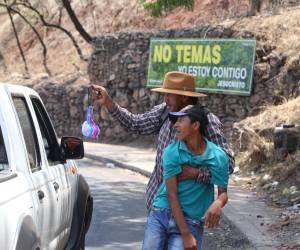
(161, 231)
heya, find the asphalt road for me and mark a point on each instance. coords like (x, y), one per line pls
(119, 212)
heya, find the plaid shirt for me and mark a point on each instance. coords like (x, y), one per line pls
(152, 122)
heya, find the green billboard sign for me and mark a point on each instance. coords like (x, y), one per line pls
(219, 65)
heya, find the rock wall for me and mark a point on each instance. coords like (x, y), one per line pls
(120, 62)
(66, 101)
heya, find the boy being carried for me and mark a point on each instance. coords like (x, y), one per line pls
(181, 209)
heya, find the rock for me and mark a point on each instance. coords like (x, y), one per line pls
(236, 170)
(286, 140)
(133, 65)
(122, 100)
(104, 114)
(262, 71)
(108, 132)
(110, 165)
(293, 188)
(284, 224)
(295, 207)
(255, 99)
(117, 129)
(112, 77)
(73, 111)
(236, 178)
(297, 160)
(267, 186)
(142, 93)
(136, 95)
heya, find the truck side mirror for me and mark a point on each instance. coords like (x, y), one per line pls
(71, 148)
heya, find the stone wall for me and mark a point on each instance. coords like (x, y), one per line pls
(66, 101)
(120, 62)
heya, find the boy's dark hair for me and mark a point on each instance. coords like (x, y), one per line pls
(193, 100)
(199, 113)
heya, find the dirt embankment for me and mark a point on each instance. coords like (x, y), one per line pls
(97, 17)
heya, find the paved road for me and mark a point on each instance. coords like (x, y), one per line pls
(119, 214)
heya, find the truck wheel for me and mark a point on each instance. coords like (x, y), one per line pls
(85, 225)
(82, 238)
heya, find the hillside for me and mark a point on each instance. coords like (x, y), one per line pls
(123, 15)
(259, 171)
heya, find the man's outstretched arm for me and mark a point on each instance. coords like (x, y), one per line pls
(146, 123)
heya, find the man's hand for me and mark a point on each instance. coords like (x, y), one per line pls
(189, 241)
(213, 215)
(188, 173)
(100, 95)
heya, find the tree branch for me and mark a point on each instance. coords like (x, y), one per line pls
(16, 35)
(40, 39)
(45, 23)
(90, 4)
(86, 36)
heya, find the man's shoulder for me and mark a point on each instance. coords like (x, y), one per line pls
(160, 106)
(212, 118)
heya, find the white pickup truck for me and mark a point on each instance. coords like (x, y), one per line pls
(44, 202)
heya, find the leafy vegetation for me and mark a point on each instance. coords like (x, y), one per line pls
(157, 7)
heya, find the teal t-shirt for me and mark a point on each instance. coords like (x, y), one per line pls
(194, 197)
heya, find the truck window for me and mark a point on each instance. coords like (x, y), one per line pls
(29, 133)
(3, 156)
(49, 137)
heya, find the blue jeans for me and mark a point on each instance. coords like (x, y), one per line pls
(161, 231)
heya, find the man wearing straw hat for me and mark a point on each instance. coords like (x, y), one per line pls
(179, 91)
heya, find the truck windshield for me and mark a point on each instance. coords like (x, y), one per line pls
(3, 156)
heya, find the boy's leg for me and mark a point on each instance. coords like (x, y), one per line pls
(175, 241)
(155, 230)
(174, 237)
(196, 227)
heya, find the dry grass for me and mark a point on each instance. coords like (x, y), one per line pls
(257, 154)
(283, 29)
(272, 116)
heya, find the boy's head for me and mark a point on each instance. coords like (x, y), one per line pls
(190, 121)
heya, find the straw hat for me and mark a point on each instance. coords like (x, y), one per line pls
(179, 83)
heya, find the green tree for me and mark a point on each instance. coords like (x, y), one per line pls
(157, 7)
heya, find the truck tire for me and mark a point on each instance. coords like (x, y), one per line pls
(81, 216)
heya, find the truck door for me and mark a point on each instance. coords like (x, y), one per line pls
(43, 188)
(58, 171)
